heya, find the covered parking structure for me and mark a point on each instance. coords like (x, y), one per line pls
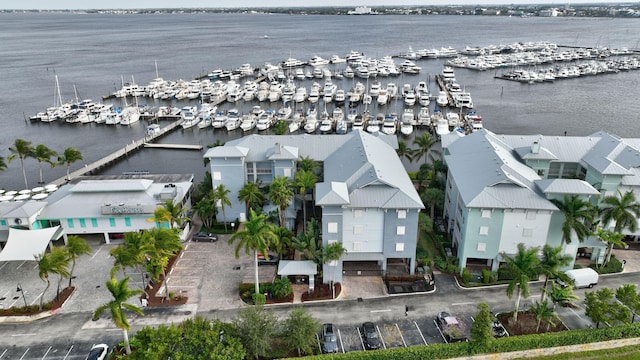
(299, 268)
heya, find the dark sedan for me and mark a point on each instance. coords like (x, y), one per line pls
(329, 340)
(370, 336)
(205, 236)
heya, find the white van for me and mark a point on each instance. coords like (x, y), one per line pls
(582, 278)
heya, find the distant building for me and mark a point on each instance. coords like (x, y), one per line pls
(362, 10)
(548, 12)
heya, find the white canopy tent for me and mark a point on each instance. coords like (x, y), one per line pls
(25, 244)
(298, 267)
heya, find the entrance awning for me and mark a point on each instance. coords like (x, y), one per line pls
(25, 244)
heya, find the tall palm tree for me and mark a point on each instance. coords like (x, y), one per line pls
(76, 246)
(132, 253)
(21, 149)
(424, 142)
(304, 181)
(622, 209)
(282, 240)
(222, 197)
(252, 196)
(578, 217)
(552, 261)
(561, 294)
(49, 263)
(120, 291)
(169, 212)
(280, 194)
(166, 243)
(43, 154)
(432, 197)
(611, 239)
(255, 236)
(333, 252)
(69, 156)
(523, 265)
(404, 151)
(206, 210)
(308, 164)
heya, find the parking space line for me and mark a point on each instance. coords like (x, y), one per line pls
(464, 303)
(341, 343)
(440, 331)
(25, 353)
(4, 352)
(17, 335)
(1, 267)
(68, 352)
(381, 337)
(377, 311)
(22, 263)
(97, 252)
(420, 332)
(360, 336)
(401, 337)
(45, 354)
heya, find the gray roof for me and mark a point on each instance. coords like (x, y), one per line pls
(226, 151)
(543, 154)
(119, 185)
(602, 156)
(566, 186)
(332, 193)
(282, 152)
(26, 209)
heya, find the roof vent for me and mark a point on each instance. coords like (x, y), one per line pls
(535, 147)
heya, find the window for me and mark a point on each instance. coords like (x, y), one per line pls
(484, 230)
(482, 247)
(112, 222)
(3, 222)
(358, 213)
(399, 246)
(332, 228)
(357, 246)
(70, 223)
(287, 172)
(83, 223)
(127, 221)
(358, 229)
(527, 232)
(531, 215)
(94, 222)
(400, 230)
(217, 175)
(402, 214)
(486, 214)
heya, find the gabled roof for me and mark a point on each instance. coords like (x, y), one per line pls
(26, 209)
(526, 153)
(282, 152)
(332, 193)
(566, 186)
(602, 156)
(226, 152)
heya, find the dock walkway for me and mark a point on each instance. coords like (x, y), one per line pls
(135, 145)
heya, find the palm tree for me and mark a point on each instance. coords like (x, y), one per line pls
(543, 313)
(578, 217)
(21, 149)
(70, 156)
(307, 242)
(43, 154)
(333, 252)
(175, 212)
(404, 151)
(304, 181)
(206, 210)
(561, 294)
(3, 164)
(612, 239)
(280, 194)
(222, 197)
(76, 246)
(432, 197)
(252, 195)
(166, 243)
(282, 240)
(523, 266)
(552, 261)
(120, 291)
(255, 236)
(133, 253)
(308, 164)
(424, 143)
(49, 263)
(622, 209)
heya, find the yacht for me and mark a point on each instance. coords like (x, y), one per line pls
(189, 117)
(340, 97)
(474, 120)
(337, 115)
(374, 90)
(300, 95)
(389, 124)
(318, 61)
(284, 112)
(326, 124)
(410, 98)
(453, 119)
(424, 99)
(424, 118)
(383, 97)
(373, 125)
(441, 124)
(348, 72)
(311, 125)
(130, 115)
(463, 100)
(358, 123)
(219, 120)
(443, 99)
(248, 122)
(406, 128)
(448, 75)
(265, 120)
(341, 127)
(233, 120)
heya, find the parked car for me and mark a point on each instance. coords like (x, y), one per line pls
(267, 260)
(205, 236)
(329, 340)
(370, 336)
(451, 328)
(98, 352)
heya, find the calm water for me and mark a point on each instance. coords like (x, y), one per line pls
(94, 52)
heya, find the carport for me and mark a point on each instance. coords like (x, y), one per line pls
(299, 267)
(26, 244)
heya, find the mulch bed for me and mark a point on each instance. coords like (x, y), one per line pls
(527, 324)
(56, 303)
(153, 288)
(322, 292)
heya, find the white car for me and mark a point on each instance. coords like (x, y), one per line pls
(98, 352)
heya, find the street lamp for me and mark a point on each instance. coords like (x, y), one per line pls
(19, 288)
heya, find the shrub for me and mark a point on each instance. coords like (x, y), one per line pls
(466, 276)
(486, 276)
(613, 266)
(281, 287)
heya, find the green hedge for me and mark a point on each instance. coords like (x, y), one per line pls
(511, 343)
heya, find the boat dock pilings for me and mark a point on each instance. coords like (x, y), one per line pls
(135, 145)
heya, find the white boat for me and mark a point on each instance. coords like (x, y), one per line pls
(318, 61)
(328, 91)
(383, 97)
(284, 112)
(373, 125)
(337, 115)
(326, 125)
(410, 98)
(358, 123)
(189, 117)
(406, 128)
(341, 127)
(389, 124)
(463, 100)
(424, 117)
(453, 119)
(219, 120)
(340, 97)
(265, 120)
(352, 114)
(366, 99)
(300, 95)
(374, 90)
(113, 117)
(442, 125)
(153, 130)
(448, 75)
(424, 99)
(233, 120)
(296, 122)
(130, 115)
(474, 120)
(311, 125)
(443, 99)
(248, 122)
(206, 113)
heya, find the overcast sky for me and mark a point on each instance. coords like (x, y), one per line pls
(137, 4)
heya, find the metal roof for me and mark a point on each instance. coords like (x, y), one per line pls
(226, 151)
(120, 185)
(332, 193)
(26, 209)
(566, 186)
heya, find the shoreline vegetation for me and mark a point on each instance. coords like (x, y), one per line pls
(613, 10)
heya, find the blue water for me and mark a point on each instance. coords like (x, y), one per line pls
(95, 52)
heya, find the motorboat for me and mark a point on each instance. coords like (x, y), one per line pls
(284, 112)
(233, 120)
(340, 97)
(300, 95)
(383, 97)
(153, 130)
(448, 75)
(341, 127)
(326, 124)
(389, 124)
(373, 125)
(353, 113)
(424, 117)
(219, 120)
(265, 120)
(453, 119)
(358, 123)
(406, 128)
(311, 125)
(130, 115)
(248, 122)
(337, 115)
(443, 99)
(474, 120)
(410, 98)
(374, 90)
(442, 125)
(189, 117)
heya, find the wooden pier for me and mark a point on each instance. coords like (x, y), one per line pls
(129, 148)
